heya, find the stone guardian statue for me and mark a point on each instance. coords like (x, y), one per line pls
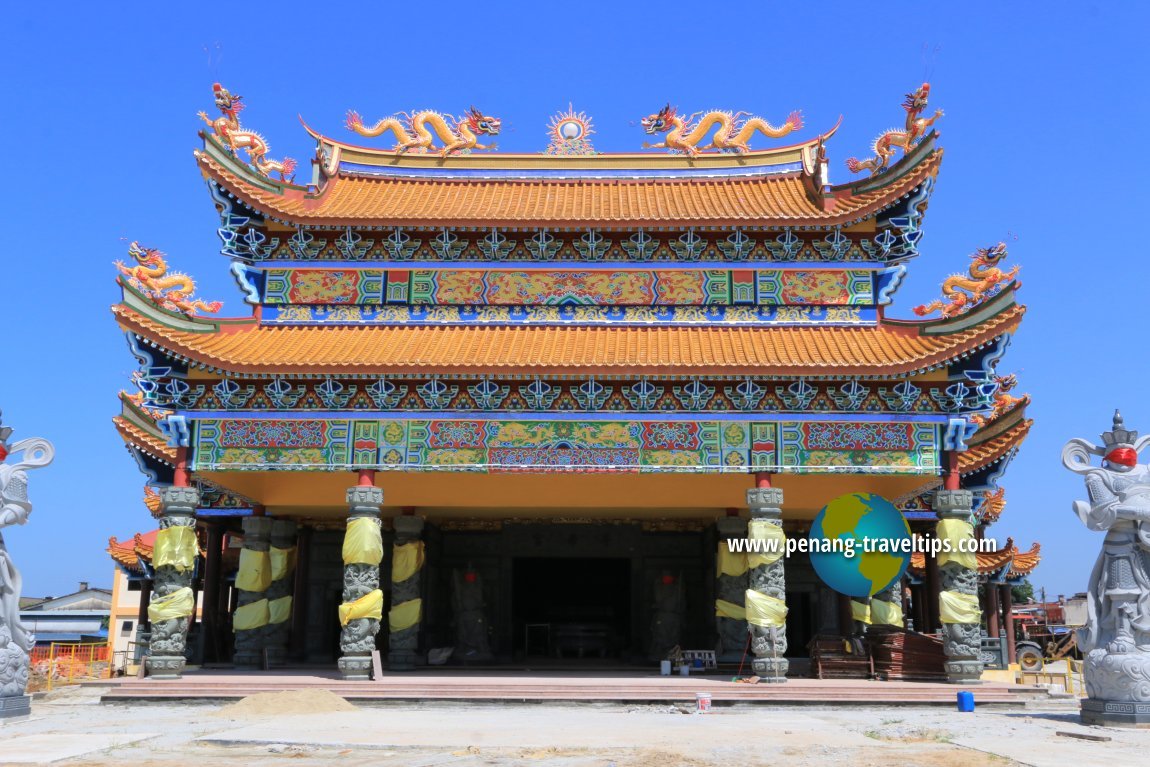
(15, 641)
(1116, 637)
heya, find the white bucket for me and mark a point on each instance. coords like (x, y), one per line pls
(684, 670)
(664, 668)
(702, 703)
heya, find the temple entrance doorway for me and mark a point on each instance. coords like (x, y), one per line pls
(571, 608)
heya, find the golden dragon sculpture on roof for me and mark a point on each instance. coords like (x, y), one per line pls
(986, 280)
(235, 137)
(172, 291)
(885, 145)
(417, 132)
(734, 130)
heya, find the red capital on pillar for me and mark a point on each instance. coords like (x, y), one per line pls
(180, 476)
(366, 477)
(762, 479)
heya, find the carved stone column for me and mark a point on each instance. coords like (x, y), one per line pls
(886, 608)
(767, 579)
(172, 590)
(860, 615)
(730, 589)
(405, 594)
(958, 589)
(280, 591)
(252, 580)
(362, 607)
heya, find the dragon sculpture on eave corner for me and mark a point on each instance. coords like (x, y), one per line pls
(234, 136)
(734, 130)
(986, 280)
(172, 291)
(417, 132)
(916, 126)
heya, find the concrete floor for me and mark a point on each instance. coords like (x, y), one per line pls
(70, 727)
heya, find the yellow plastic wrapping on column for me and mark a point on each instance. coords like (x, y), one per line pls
(885, 613)
(282, 562)
(370, 605)
(406, 561)
(255, 572)
(175, 547)
(404, 615)
(253, 615)
(178, 604)
(279, 610)
(956, 607)
(953, 531)
(861, 611)
(363, 542)
(764, 610)
(773, 546)
(730, 562)
(725, 609)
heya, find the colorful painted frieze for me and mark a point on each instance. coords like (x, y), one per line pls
(607, 445)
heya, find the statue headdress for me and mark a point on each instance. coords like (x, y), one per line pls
(1118, 443)
(5, 433)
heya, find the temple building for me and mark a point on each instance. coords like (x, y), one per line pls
(491, 408)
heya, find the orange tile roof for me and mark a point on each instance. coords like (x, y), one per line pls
(1020, 562)
(984, 453)
(774, 200)
(144, 440)
(885, 349)
(129, 553)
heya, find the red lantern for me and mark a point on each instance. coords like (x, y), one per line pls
(668, 580)
(470, 577)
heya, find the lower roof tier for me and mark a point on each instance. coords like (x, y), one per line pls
(884, 350)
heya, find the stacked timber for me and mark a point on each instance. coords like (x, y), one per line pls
(836, 657)
(906, 655)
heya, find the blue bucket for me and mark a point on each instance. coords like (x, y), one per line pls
(966, 701)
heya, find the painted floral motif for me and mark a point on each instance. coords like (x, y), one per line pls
(681, 435)
(858, 436)
(456, 434)
(273, 433)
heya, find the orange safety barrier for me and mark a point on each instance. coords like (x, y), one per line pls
(65, 663)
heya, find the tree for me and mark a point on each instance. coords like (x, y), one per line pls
(1022, 592)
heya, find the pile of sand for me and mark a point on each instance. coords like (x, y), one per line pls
(287, 702)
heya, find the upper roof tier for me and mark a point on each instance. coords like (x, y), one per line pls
(782, 187)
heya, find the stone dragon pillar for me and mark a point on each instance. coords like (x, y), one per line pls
(252, 580)
(730, 588)
(886, 607)
(406, 604)
(362, 607)
(959, 610)
(173, 602)
(279, 593)
(766, 593)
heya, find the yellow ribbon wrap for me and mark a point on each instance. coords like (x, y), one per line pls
(725, 609)
(175, 547)
(953, 531)
(860, 611)
(255, 572)
(885, 613)
(765, 611)
(956, 607)
(404, 615)
(774, 545)
(406, 561)
(730, 562)
(282, 562)
(370, 605)
(363, 542)
(253, 615)
(179, 604)
(279, 610)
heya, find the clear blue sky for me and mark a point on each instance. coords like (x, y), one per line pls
(1045, 109)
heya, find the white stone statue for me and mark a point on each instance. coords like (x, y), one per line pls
(15, 641)
(1116, 637)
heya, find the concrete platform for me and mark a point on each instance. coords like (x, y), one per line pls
(559, 686)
